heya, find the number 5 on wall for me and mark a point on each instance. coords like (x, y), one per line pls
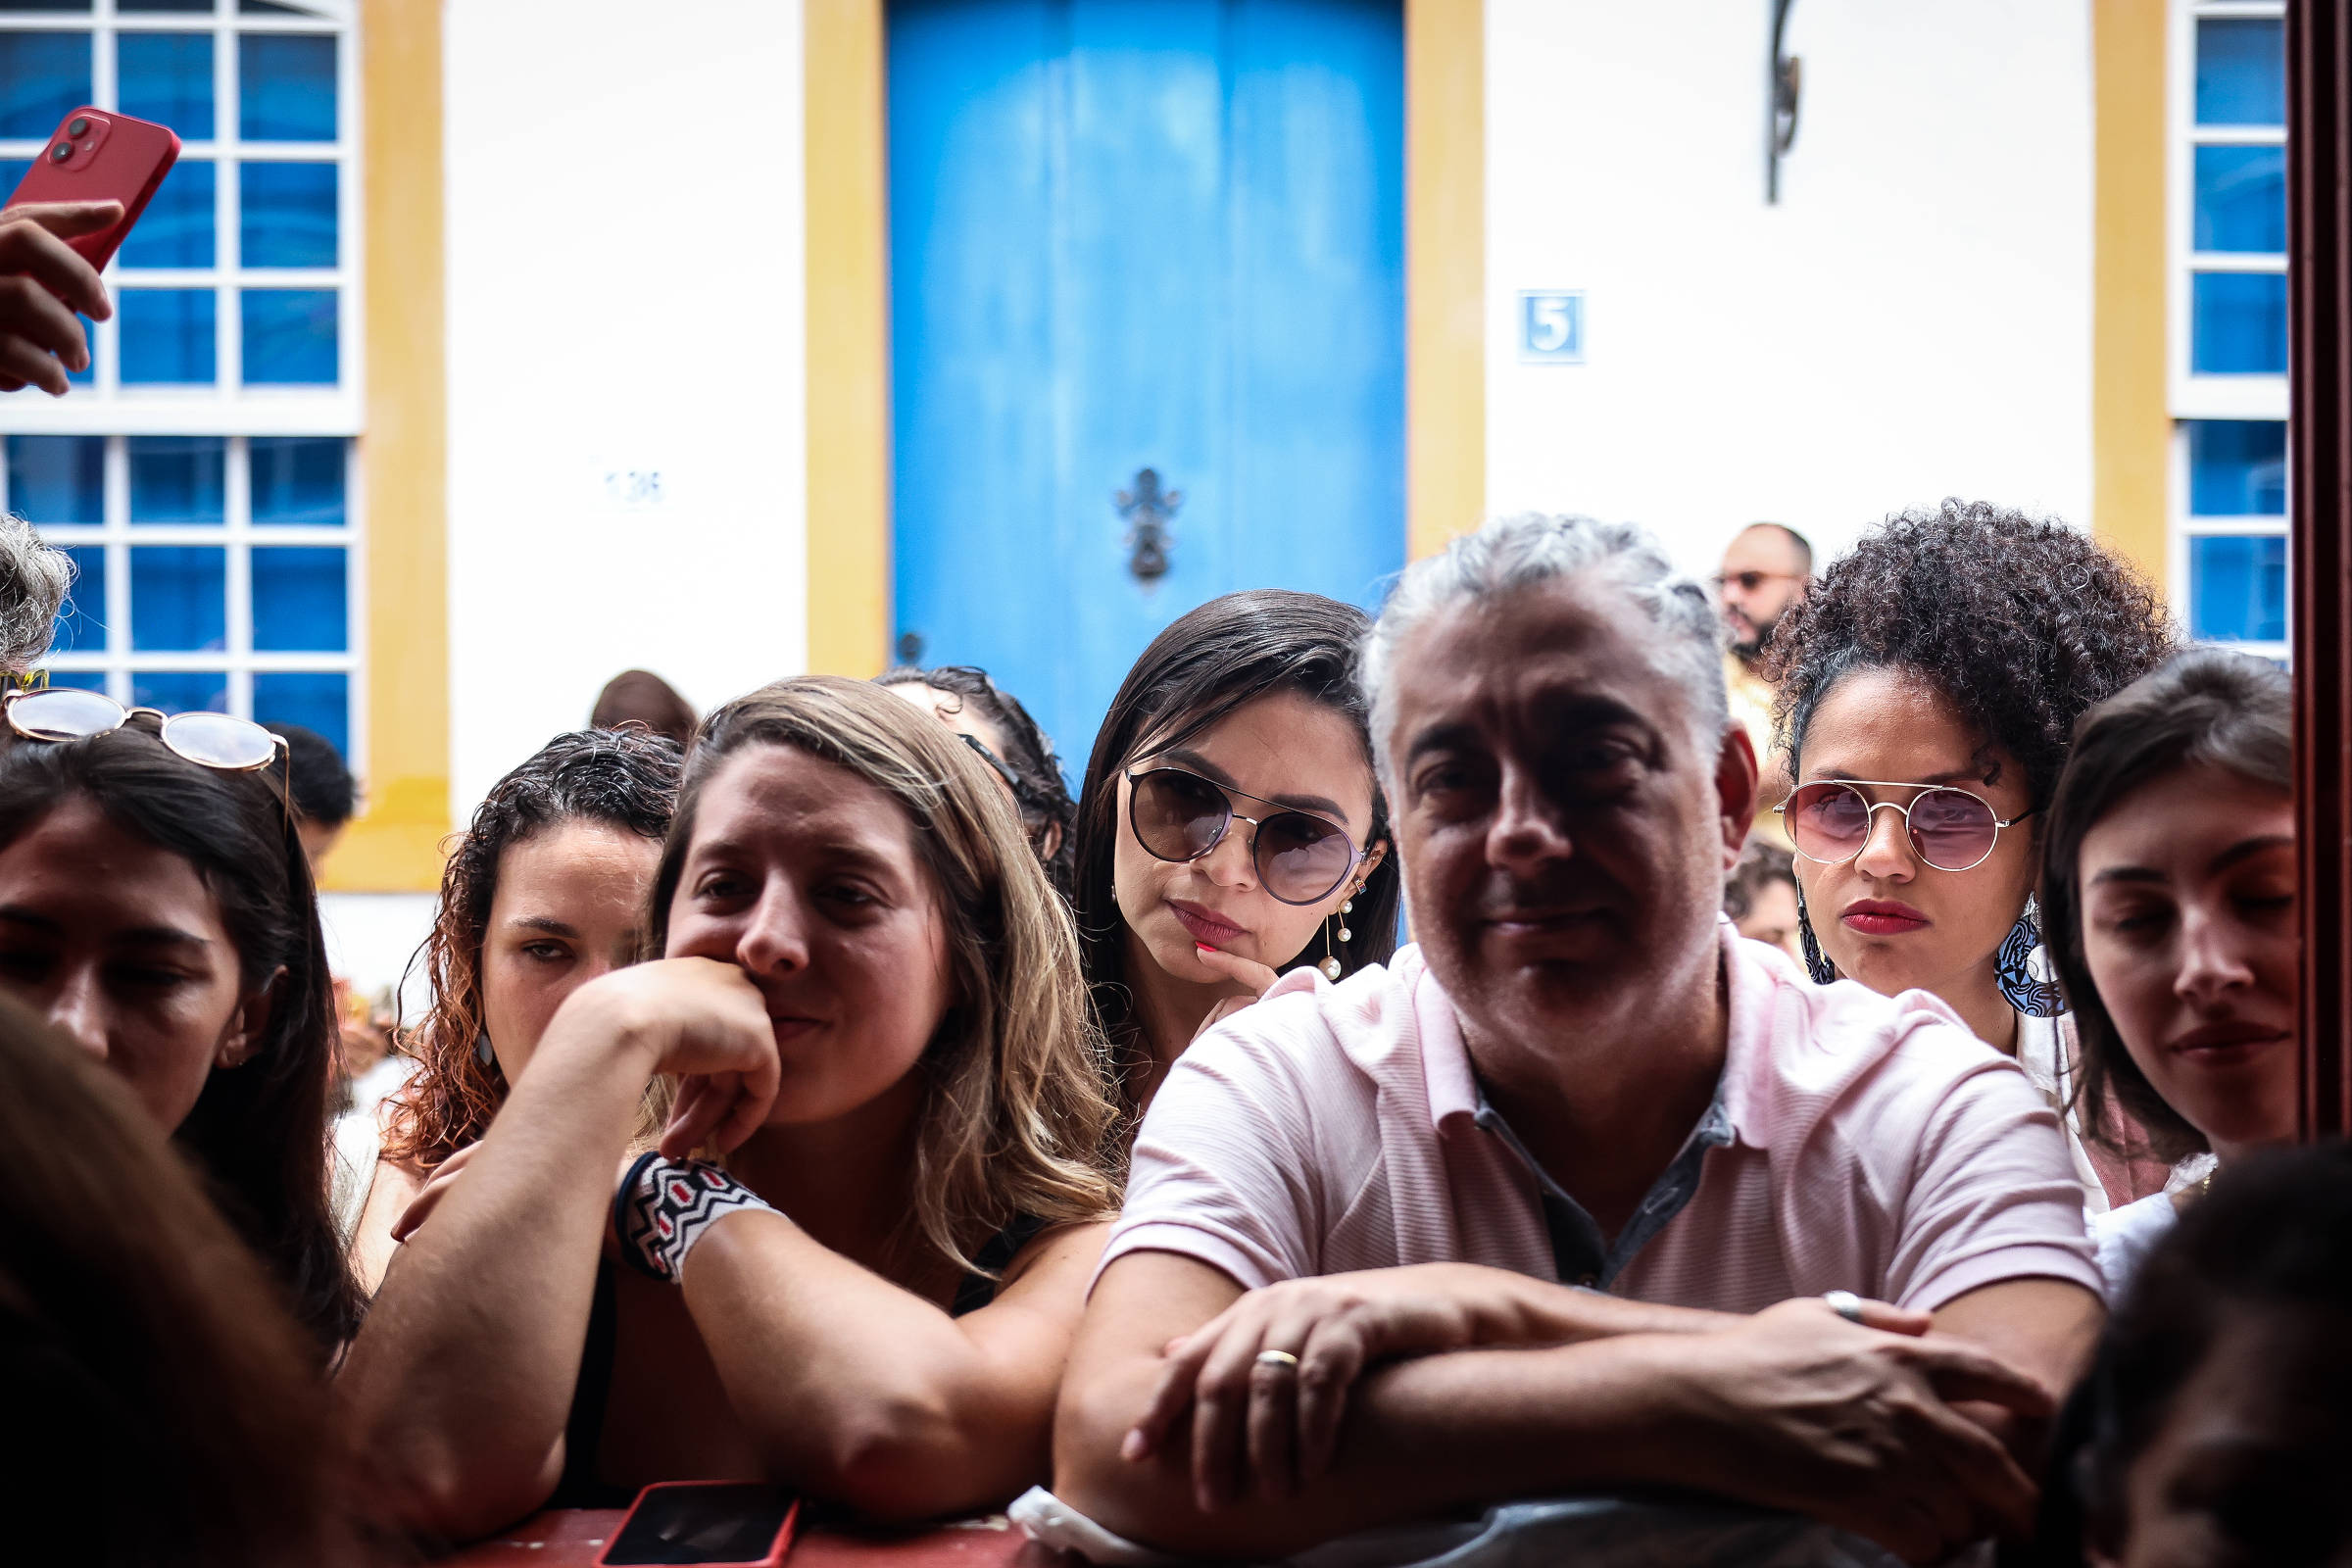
(1552, 327)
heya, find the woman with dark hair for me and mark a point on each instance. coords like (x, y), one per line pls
(1929, 685)
(2214, 1427)
(543, 894)
(641, 698)
(870, 996)
(148, 1363)
(158, 913)
(1231, 827)
(992, 720)
(2168, 880)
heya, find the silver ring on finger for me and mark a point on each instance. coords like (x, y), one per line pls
(1846, 1304)
(1277, 1358)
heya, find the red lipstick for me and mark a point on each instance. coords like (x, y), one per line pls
(1883, 917)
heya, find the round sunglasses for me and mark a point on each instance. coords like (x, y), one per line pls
(212, 740)
(1300, 857)
(1829, 820)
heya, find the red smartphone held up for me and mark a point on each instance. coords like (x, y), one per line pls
(718, 1524)
(100, 157)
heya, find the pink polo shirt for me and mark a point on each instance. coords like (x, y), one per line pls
(1858, 1143)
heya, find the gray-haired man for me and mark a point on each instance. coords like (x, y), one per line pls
(1346, 1288)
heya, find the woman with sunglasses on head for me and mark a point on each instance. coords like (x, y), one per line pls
(1230, 827)
(2170, 882)
(871, 997)
(1928, 684)
(156, 907)
(995, 725)
(543, 894)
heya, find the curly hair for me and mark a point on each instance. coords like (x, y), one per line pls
(624, 778)
(2021, 624)
(1047, 813)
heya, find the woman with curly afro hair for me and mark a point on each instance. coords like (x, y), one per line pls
(1929, 688)
(545, 892)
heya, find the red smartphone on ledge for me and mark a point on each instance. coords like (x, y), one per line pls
(97, 155)
(718, 1524)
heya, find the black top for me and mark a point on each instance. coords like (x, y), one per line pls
(584, 1428)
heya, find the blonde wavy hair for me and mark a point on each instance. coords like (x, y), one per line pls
(1017, 1120)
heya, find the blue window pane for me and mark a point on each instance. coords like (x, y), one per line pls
(2242, 72)
(89, 337)
(42, 76)
(289, 214)
(314, 700)
(2238, 467)
(178, 478)
(2241, 199)
(2238, 587)
(81, 620)
(286, 87)
(297, 479)
(192, 691)
(179, 598)
(166, 336)
(290, 337)
(177, 229)
(161, 5)
(67, 5)
(81, 680)
(56, 479)
(2239, 323)
(300, 604)
(166, 77)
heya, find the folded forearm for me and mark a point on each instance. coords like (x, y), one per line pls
(855, 1388)
(460, 1381)
(1421, 1437)
(1518, 1310)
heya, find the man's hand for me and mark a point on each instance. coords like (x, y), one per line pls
(1278, 1422)
(1799, 1409)
(43, 282)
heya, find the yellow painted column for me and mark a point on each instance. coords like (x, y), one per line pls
(1445, 269)
(848, 337)
(2132, 427)
(403, 458)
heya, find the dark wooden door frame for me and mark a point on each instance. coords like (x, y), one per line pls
(2318, 164)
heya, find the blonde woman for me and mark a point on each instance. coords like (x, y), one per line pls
(870, 999)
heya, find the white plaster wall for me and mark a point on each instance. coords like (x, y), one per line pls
(369, 938)
(625, 287)
(1912, 320)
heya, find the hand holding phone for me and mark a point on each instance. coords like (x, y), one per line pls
(70, 214)
(43, 282)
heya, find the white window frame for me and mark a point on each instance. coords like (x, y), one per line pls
(2207, 397)
(227, 409)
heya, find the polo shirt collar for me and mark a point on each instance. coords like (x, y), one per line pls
(1748, 997)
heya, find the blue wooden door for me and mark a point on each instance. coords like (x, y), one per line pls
(1131, 236)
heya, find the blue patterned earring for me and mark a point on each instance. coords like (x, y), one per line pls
(1818, 966)
(2029, 994)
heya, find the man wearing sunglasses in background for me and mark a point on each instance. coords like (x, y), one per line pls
(1765, 573)
(1582, 1190)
